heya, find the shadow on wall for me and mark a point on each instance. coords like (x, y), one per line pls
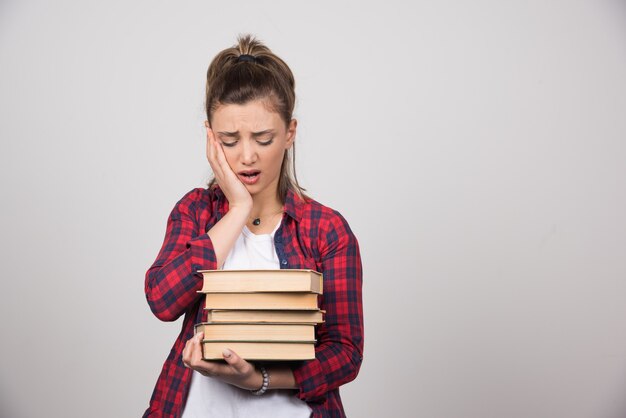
(622, 10)
(618, 408)
(5, 409)
(618, 411)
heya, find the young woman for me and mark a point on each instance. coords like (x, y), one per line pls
(254, 215)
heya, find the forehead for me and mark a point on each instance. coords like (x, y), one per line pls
(252, 116)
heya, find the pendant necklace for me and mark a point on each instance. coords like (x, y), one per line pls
(257, 221)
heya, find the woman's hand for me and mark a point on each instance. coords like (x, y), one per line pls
(233, 188)
(236, 371)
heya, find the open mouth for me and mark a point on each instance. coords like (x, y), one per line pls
(249, 176)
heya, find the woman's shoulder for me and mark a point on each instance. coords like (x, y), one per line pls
(313, 208)
(196, 201)
(198, 195)
(327, 228)
(324, 217)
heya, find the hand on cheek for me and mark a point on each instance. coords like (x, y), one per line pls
(235, 191)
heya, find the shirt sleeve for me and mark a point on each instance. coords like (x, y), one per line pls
(339, 352)
(171, 283)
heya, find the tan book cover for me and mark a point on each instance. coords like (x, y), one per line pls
(265, 316)
(277, 280)
(256, 332)
(259, 301)
(260, 350)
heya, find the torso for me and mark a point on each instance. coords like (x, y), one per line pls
(212, 397)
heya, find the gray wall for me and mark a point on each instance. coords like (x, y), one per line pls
(476, 149)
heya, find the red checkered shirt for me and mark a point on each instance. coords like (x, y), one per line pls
(311, 236)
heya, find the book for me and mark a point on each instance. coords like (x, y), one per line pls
(265, 316)
(242, 281)
(261, 314)
(256, 332)
(260, 350)
(272, 301)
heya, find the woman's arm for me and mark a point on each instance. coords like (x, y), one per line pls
(171, 283)
(225, 232)
(339, 354)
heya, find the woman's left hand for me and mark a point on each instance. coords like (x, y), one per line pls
(236, 371)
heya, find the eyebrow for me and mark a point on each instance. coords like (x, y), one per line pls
(254, 134)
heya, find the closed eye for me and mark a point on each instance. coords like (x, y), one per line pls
(232, 144)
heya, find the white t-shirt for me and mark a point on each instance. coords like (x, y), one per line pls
(210, 397)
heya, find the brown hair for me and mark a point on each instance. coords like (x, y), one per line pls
(268, 78)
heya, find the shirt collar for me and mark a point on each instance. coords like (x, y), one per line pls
(294, 205)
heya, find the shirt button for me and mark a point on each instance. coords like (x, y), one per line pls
(284, 261)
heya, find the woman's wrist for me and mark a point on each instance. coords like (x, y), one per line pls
(244, 207)
(281, 377)
(241, 212)
(265, 381)
(254, 381)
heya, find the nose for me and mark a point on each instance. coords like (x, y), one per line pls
(248, 153)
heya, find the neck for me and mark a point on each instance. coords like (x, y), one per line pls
(265, 203)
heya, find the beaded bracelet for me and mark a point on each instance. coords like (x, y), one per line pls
(266, 382)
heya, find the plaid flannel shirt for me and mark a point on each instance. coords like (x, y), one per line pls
(311, 236)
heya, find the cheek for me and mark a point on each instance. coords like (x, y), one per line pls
(230, 155)
(277, 158)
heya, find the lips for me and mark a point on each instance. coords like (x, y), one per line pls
(249, 173)
(249, 176)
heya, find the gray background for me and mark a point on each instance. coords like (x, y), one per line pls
(476, 149)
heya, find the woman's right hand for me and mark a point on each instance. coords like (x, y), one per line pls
(235, 191)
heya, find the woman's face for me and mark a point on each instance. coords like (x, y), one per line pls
(254, 140)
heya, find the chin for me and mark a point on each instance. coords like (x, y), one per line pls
(253, 189)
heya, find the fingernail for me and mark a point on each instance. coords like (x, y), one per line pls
(226, 352)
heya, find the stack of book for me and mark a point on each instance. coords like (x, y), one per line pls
(261, 314)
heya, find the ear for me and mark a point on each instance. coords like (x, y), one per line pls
(209, 142)
(209, 131)
(291, 133)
